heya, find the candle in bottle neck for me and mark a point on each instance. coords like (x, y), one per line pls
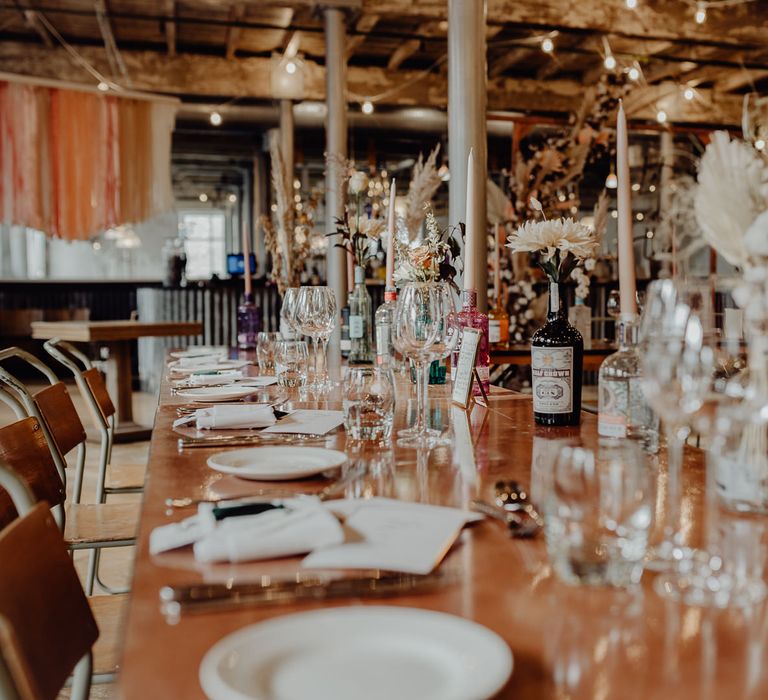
(247, 261)
(497, 266)
(627, 286)
(469, 222)
(391, 241)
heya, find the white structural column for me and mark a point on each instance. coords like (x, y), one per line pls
(467, 87)
(286, 142)
(336, 145)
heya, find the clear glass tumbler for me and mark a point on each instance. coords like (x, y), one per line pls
(291, 359)
(598, 513)
(266, 344)
(369, 403)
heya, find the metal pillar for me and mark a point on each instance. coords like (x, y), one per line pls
(257, 201)
(467, 78)
(667, 151)
(335, 144)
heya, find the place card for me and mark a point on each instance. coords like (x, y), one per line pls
(465, 368)
(383, 533)
(312, 421)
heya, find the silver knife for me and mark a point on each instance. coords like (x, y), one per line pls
(204, 598)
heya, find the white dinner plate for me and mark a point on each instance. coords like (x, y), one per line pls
(211, 367)
(208, 394)
(376, 653)
(276, 463)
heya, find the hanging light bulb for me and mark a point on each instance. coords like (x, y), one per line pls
(631, 4)
(367, 107)
(203, 197)
(232, 198)
(290, 67)
(634, 73)
(689, 93)
(760, 144)
(611, 182)
(102, 86)
(701, 12)
(216, 118)
(609, 62)
(547, 45)
(661, 116)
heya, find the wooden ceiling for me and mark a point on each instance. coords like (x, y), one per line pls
(397, 54)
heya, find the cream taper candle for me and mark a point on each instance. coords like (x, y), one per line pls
(469, 223)
(627, 287)
(247, 260)
(391, 241)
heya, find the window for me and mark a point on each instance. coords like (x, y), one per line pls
(204, 242)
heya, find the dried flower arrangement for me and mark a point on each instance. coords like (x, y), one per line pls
(430, 260)
(560, 244)
(287, 233)
(425, 182)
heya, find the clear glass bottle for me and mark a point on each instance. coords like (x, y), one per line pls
(386, 356)
(470, 317)
(360, 316)
(557, 364)
(498, 327)
(580, 317)
(623, 411)
(248, 323)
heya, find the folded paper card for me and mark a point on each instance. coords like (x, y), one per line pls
(383, 533)
(308, 421)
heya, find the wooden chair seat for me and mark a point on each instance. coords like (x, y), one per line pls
(109, 611)
(126, 476)
(100, 522)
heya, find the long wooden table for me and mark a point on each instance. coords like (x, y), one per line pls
(568, 642)
(117, 336)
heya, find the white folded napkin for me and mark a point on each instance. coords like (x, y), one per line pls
(235, 416)
(302, 527)
(215, 379)
(199, 360)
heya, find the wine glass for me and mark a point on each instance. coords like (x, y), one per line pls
(316, 313)
(418, 322)
(288, 319)
(677, 363)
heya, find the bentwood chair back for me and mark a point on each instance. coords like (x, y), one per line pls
(47, 628)
(25, 450)
(94, 390)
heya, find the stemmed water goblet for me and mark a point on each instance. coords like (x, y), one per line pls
(288, 316)
(417, 326)
(677, 361)
(316, 317)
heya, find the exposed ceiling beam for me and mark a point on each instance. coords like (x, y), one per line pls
(402, 53)
(188, 74)
(735, 80)
(745, 23)
(33, 20)
(364, 25)
(508, 59)
(169, 7)
(236, 14)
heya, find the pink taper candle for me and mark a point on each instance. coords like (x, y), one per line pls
(247, 260)
(469, 222)
(627, 287)
(391, 241)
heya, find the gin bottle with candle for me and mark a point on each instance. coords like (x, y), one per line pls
(248, 314)
(385, 351)
(469, 316)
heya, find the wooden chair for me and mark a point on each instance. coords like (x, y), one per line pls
(93, 526)
(53, 406)
(47, 629)
(127, 478)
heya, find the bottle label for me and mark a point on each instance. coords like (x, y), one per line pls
(355, 326)
(613, 408)
(345, 345)
(494, 331)
(552, 374)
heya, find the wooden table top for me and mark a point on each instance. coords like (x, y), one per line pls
(91, 331)
(567, 642)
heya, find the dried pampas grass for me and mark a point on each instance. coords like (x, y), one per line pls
(425, 181)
